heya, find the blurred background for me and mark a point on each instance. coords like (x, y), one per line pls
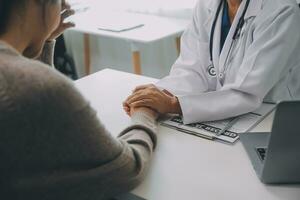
(106, 52)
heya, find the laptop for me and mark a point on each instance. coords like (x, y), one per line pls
(275, 156)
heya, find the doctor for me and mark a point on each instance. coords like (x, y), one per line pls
(234, 55)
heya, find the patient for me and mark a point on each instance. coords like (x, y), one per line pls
(52, 145)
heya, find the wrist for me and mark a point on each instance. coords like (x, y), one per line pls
(51, 41)
(141, 118)
(146, 112)
(175, 106)
(142, 115)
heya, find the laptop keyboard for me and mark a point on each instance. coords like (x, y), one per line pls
(261, 153)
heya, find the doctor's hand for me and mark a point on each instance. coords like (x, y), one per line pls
(150, 96)
(65, 13)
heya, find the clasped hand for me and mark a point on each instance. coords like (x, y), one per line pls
(151, 97)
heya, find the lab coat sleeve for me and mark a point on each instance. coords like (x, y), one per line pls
(188, 72)
(275, 38)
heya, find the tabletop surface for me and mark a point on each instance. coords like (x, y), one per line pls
(154, 27)
(183, 166)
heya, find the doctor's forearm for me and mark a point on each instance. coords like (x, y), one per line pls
(217, 105)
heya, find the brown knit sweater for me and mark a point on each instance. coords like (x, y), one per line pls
(53, 146)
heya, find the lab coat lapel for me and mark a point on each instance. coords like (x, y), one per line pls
(229, 41)
(212, 9)
(216, 45)
(253, 9)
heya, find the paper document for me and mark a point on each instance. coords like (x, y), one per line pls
(119, 27)
(209, 130)
(119, 22)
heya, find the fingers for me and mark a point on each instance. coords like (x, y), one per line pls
(168, 93)
(67, 13)
(65, 5)
(143, 103)
(147, 92)
(138, 103)
(131, 96)
(141, 87)
(62, 27)
(67, 25)
(136, 97)
(141, 97)
(126, 108)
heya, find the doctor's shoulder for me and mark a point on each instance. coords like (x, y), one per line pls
(204, 8)
(202, 17)
(279, 8)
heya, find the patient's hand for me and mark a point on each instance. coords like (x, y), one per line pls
(66, 12)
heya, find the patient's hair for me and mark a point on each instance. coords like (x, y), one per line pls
(7, 7)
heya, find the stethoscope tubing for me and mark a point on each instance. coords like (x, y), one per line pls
(236, 32)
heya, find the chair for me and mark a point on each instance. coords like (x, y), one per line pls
(63, 61)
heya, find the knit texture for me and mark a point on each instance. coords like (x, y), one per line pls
(53, 146)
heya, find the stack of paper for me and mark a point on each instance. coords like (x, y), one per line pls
(210, 130)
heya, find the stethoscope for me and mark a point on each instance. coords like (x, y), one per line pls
(211, 68)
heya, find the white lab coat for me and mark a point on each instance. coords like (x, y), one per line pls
(263, 65)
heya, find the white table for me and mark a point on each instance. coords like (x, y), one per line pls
(184, 167)
(155, 28)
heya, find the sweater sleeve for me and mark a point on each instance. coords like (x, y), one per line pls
(68, 153)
